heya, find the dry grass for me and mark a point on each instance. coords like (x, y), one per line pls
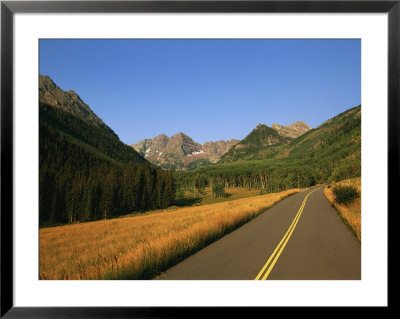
(350, 213)
(232, 194)
(141, 247)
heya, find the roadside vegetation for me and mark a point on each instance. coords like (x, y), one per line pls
(143, 246)
(345, 196)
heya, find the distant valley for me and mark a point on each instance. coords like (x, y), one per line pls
(87, 173)
(197, 159)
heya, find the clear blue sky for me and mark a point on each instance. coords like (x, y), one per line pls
(208, 89)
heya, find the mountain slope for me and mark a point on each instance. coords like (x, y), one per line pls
(51, 94)
(335, 146)
(86, 172)
(255, 144)
(337, 134)
(92, 138)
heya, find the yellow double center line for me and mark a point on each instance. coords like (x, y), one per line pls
(278, 250)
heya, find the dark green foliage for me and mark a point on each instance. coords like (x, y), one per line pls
(218, 189)
(200, 183)
(97, 140)
(86, 173)
(271, 176)
(180, 194)
(345, 194)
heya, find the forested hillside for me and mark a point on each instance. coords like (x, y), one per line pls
(333, 148)
(86, 173)
(260, 139)
(329, 152)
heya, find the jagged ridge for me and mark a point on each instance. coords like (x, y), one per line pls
(180, 152)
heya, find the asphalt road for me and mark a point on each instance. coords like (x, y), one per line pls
(317, 246)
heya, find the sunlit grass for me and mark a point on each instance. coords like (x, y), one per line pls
(351, 213)
(205, 197)
(140, 247)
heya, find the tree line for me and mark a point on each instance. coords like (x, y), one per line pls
(252, 174)
(80, 182)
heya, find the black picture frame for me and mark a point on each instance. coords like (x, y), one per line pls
(9, 8)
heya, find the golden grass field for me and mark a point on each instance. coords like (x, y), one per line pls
(142, 246)
(351, 213)
(233, 193)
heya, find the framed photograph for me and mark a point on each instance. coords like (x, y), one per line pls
(197, 156)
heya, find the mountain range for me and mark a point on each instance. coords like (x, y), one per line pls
(180, 152)
(87, 173)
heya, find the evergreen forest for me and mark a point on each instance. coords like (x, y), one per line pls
(86, 173)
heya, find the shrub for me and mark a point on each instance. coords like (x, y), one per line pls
(218, 190)
(263, 191)
(345, 194)
(180, 194)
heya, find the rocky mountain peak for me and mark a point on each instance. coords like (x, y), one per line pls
(276, 126)
(260, 126)
(293, 130)
(181, 144)
(160, 142)
(219, 148)
(299, 125)
(179, 150)
(45, 82)
(51, 94)
(181, 136)
(161, 137)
